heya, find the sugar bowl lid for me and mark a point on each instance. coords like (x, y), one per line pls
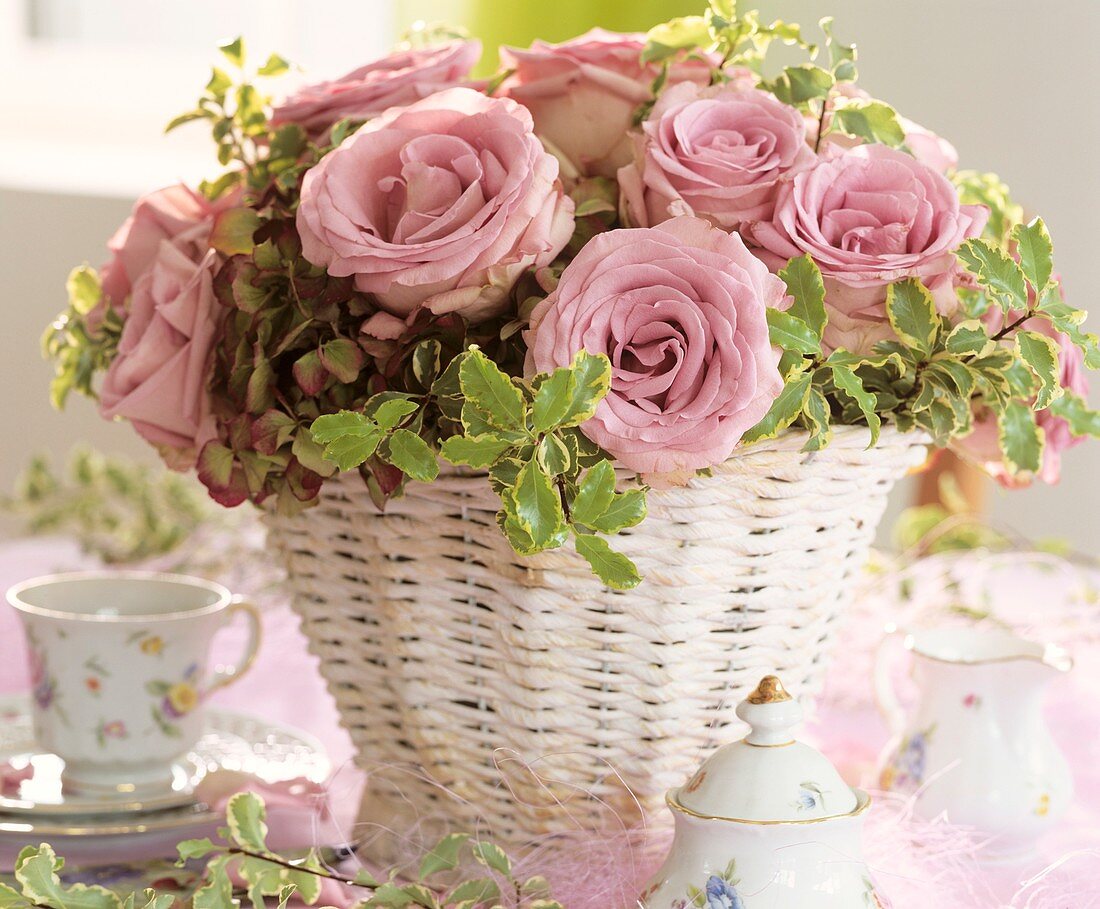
(768, 775)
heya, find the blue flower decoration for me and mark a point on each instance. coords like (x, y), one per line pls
(721, 895)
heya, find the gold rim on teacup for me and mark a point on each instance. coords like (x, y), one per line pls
(15, 594)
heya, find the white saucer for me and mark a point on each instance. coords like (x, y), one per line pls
(232, 741)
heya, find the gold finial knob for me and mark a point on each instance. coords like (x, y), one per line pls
(769, 691)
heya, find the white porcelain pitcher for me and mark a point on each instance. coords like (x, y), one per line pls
(975, 746)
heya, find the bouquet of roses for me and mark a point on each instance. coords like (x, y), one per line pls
(633, 250)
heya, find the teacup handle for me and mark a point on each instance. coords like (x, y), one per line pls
(225, 675)
(885, 696)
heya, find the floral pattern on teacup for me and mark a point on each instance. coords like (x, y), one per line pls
(97, 672)
(972, 701)
(110, 729)
(175, 699)
(719, 892)
(906, 769)
(43, 682)
(149, 644)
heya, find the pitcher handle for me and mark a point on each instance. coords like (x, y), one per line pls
(225, 675)
(885, 696)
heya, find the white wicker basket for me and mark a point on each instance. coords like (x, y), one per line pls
(448, 653)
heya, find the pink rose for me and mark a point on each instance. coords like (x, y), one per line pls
(443, 204)
(982, 445)
(158, 379)
(719, 152)
(680, 311)
(394, 81)
(158, 216)
(583, 94)
(870, 216)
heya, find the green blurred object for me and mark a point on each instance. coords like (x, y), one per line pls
(498, 22)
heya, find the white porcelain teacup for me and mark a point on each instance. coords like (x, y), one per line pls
(119, 671)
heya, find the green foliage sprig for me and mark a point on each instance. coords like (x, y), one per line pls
(937, 373)
(122, 511)
(242, 851)
(552, 481)
(237, 111)
(81, 347)
(742, 40)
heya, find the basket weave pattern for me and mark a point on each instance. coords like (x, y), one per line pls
(446, 651)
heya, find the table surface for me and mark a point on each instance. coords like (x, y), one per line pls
(285, 686)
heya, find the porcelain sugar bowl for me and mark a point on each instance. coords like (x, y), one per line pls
(765, 823)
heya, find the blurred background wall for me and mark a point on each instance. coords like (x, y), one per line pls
(89, 84)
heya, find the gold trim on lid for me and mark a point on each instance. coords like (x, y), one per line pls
(769, 691)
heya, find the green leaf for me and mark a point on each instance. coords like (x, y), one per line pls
(349, 438)
(217, 892)
(912, 314)
(553, 455)
(817, 418)
(842, 57)
(804, 283)
(234, 51)
(390, 413)
(307, 887)
(537, 505)
(553, 397)
(1082, 420)
(412, 455)
(343, 358)
(426, 361)
(850, 385)
(1036, 252)
(12, 899)
(791, 333)
(492, 856)
(784, 410)
(592, 373)
(1040, 353)
(187, 117)
(665, 39)
(36, 871)
(996, 272)
(190, 849)
(798, 84)
(389, 896)
(244, 815)
(480, 452)
(613, 568)
(596, 491)
(233, 231)
(969, 337)
(84, 289)
(1068, 321)
(476, 891)
(219, 83)
(1021, 440)
(275, 66)
(444, 856)
(626, 510)
(492, 391)
(874, 121)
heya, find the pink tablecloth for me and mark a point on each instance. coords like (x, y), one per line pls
(285, 686)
